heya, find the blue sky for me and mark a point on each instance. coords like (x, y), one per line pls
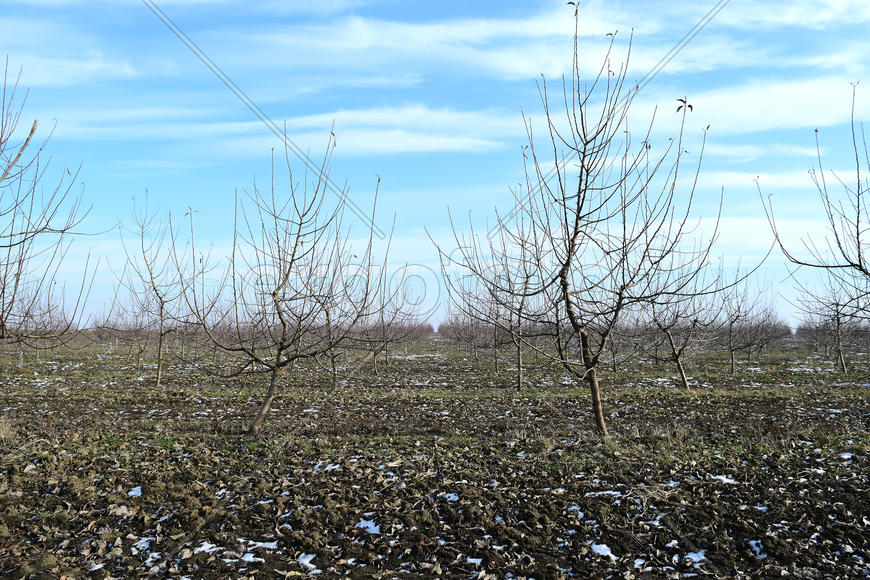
(429, 96)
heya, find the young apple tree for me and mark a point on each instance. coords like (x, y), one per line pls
(296, 284)
(603, 229)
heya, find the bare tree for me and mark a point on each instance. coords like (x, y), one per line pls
(681, 323)
(741, 300)
(832, 312)
(35, 226)
(295, 286)
(844, 252)
(504, 306)
(153, 285)
(397, 316)
(602, 241)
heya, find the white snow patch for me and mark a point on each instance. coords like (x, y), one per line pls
(205, 547)
(153, 557)
(671, 544)
(603, 550)
(249, 557)
(757, 547)
(96, 567)
(304, 559)
(576, 508)
(135, 492)
(451, 497)
(473, 561)
(141, 545)
(723, 478)
(264, 545)
(845, 456)
(638, 563)
(369, 526)
(697, 557)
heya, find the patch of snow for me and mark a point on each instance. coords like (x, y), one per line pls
(135, 492)
(205, 547)
(473, 561)
(671, 544)
(697, 557)
(845, 456)
(638, 563)
(758, 548)
(605, 492)
(576, 508)
(141, 545)
(96, 567)
(264, 545)
(603, 550)
(761, 508)
(249, 557)
(304, 559)
(369, 526)
(723, 478)
(451, 497)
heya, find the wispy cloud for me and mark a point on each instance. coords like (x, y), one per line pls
(817, 14)
(408, 129)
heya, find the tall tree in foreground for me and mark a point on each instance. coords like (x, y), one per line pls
(603, 237)
(35, 227)
(295, 286)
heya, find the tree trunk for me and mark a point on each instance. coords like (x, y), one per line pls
(731, 346)
(266, 406)
(677, 359)
(519, 364)
(592, 379)
(597, 409)
(495, 350)
(160, 336)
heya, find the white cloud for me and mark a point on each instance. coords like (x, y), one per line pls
(407, 129)
(767, 14)
(765, 180)
(65, 72)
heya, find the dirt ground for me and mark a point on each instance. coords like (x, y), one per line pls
(436, 467)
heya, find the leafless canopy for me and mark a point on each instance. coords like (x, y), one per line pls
(35, 226)
(296, 284)
(609, 233)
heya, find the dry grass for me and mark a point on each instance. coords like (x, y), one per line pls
(7, 431)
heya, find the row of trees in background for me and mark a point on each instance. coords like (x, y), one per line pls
(599, 260)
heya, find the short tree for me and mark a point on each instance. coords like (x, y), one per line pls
(295, 287)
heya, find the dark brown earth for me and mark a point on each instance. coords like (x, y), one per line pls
(437, 467)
